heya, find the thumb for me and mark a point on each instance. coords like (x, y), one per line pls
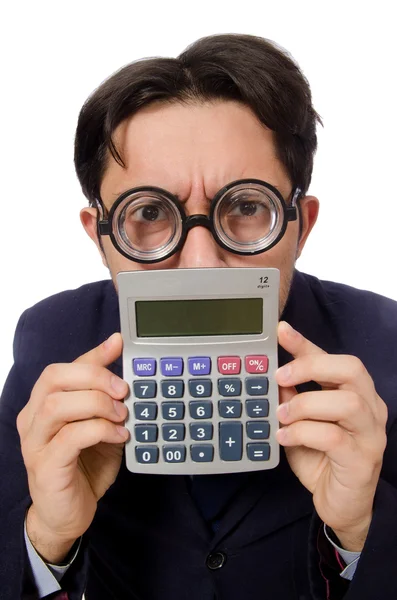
(104, 354)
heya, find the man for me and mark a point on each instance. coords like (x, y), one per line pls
(323, 524)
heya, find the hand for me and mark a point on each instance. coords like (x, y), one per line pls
(72, 442)
(334, 438)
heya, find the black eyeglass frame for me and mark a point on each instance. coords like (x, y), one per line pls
(105, 225)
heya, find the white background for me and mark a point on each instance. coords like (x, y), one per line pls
(54, 55)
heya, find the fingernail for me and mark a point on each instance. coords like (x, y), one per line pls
(282, 434)
(290, 330)
(123, 431)
(283, 410)
(284, 373)
(118, 384)
(119, 407)
(108, 343)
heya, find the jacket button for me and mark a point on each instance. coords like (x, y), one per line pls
(215, 560)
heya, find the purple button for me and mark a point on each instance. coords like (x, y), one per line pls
(144, 366)
(199, 365)
(171, 366)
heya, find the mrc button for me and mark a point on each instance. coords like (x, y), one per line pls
(229, 365)
(144, 366)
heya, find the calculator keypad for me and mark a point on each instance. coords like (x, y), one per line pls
(190, 404)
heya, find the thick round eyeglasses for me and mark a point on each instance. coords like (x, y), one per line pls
(148, 224)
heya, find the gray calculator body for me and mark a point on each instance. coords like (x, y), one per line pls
(199, 356)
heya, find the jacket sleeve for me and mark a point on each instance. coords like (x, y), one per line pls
(16, 580)
(375, 576)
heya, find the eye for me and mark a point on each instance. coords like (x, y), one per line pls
(247, 208)
(148, 213)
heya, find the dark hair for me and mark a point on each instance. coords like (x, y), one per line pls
(244, 68)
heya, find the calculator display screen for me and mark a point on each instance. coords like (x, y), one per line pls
(174, 318)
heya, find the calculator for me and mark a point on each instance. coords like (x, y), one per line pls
(199, 357)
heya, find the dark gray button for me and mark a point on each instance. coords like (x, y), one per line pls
(174, 454)
(201, 431)
(230, 441)
(145, 388)
(200, 410)
(229, 386)
(146, 454)
(256, 386)
(173, 411)
(215, 560)
(202, 452)
(257, 408)
(172, 388)
(174, 432)
(230, 409)
(146, 433)
(258, 430)
(200, 388)
(258, 451)
(145, 411)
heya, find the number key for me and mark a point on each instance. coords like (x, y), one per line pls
(146, 454)
(175, 432)
(172, 388)
(145, 388)
(200, 388)
(145, 411)
(200, 410)
(174, 454)
(201, 431)
(173, 411)
(146, 433)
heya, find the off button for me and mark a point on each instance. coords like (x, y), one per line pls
(216, 560)
(229, 365)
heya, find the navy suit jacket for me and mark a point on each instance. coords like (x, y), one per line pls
(152, 535)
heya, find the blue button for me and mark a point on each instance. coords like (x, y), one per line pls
(171, 366)
(144, 366)
(199, 365)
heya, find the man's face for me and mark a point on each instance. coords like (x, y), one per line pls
(193, 150)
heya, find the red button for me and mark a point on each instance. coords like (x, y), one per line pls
(256, 364)
(229, 365)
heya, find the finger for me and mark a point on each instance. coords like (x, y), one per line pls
(69, 377)
(325, 437)
(65, 407)
(285, 394)
(294, 342)
(347, 409)
(72, 377)
(66, 446)
(329, 370)
(104, 354)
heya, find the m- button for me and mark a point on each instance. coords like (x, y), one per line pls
(216, 560)
(229, 365)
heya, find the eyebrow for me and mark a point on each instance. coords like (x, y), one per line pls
(116, 195)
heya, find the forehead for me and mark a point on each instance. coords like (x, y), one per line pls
(192, 150)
